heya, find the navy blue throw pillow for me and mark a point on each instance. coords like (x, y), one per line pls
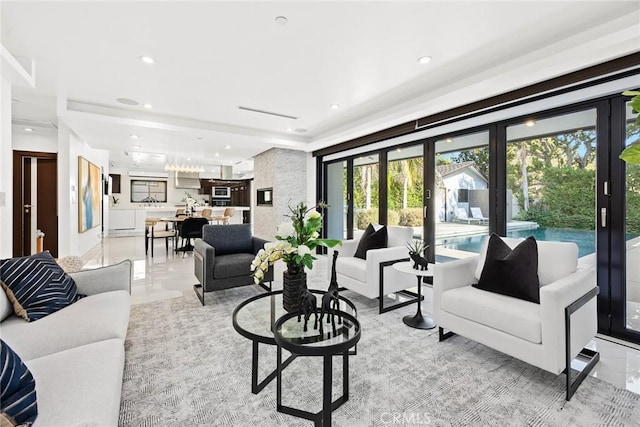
(371, 239)
(18, 403)
(511, 272)
(37, 286)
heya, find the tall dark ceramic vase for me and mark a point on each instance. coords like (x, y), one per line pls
(294, 280)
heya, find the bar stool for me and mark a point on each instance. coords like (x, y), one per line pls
(228, 213)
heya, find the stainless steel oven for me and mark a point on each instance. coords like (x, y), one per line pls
(221, 192)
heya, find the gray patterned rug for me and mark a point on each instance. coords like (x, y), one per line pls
(187, 366)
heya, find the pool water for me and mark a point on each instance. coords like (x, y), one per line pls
(585, 239)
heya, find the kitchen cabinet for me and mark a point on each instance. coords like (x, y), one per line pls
(122, 219)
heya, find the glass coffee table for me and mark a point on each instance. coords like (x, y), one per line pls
(326, 342)
(256, 318)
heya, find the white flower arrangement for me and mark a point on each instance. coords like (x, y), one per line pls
(296, 241)
(190, 201)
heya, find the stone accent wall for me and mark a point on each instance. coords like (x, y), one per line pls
(286, 172)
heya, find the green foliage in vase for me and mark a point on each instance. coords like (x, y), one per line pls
(631, 154)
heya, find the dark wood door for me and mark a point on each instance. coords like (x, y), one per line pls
(47, 202)
(45, 197)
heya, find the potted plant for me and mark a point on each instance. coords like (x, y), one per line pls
(631, 154)
(417, 253)
(297, 240)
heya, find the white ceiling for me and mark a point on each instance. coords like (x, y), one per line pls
(211, 57)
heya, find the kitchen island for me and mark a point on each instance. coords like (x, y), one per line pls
(131, 218)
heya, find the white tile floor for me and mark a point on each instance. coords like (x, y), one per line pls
(171, 275)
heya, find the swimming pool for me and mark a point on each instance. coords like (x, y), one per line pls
(585, 239)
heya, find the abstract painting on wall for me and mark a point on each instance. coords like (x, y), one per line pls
(89, 194)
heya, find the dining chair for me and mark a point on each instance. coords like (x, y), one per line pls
(152, 233)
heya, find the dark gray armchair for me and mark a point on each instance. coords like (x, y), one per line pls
(223, 258)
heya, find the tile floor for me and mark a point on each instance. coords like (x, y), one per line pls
(171, 275)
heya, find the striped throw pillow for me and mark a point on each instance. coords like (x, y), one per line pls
(18, 404)
(37, 286)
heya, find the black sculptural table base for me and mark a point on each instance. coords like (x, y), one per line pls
(418, 320)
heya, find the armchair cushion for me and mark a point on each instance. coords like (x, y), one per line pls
(511, 272)
(352, 267)
(229, 239)
(371, 239)
(515, 317)
(232, 265)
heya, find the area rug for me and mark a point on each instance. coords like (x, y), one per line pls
(187, 366)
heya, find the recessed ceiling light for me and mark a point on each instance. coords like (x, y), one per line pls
(127, 101)
(424, 59)
(217, 154)
(449, 140)
(149, 106)
(530, 123)
(289, 129)
(227, 147)
(28, 129)
(334, 106)
(281, 20)
(147, 59)
(134, 136)
(188, 159)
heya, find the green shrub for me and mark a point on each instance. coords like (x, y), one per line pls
(411, 217)
(366, 217)
(393, 217)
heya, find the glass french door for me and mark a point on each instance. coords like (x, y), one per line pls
(461, 204)
(405, 188)
(619, 303)
(353, 194)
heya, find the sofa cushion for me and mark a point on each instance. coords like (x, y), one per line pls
(511, 272)
(513, 316)
(36, 285)
(371, 239)
(17, 389)
(555, 259)
(232, 265)
(352, 267)
(6, 308)
(81, 386)
(94, 318)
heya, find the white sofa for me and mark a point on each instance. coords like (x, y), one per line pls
(363, 276)
(76, 355)
(533, 333)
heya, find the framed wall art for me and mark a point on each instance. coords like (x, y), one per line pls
(89, 195)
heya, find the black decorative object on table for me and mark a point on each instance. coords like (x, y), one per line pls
(415, 250)
(308, 305)
(330, 298)
(296, 243)
(294, 281)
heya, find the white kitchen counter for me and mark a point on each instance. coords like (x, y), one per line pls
(132, 217)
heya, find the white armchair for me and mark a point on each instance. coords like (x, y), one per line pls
(364, 276)
(548, 335)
